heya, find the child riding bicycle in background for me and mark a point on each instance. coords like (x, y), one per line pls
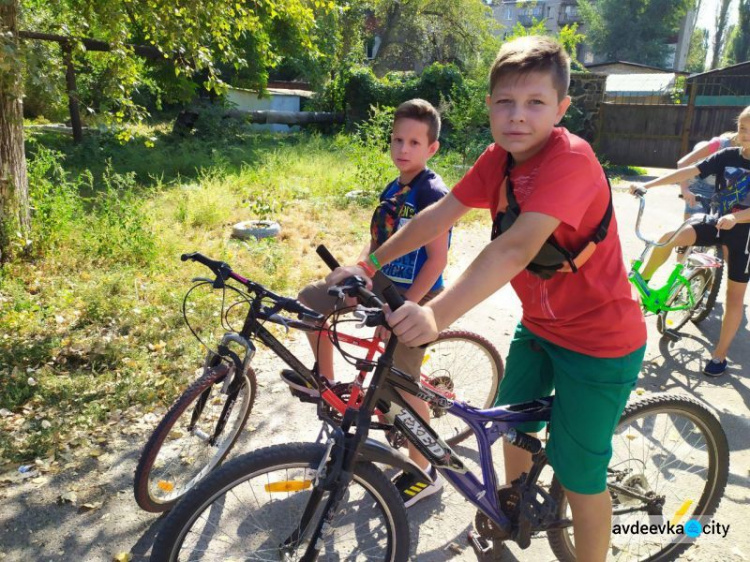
(700, 186)
(555, 240)
(417, 273)
(731, 166)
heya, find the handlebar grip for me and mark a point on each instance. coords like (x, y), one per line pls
(393, 297)
(327, 257)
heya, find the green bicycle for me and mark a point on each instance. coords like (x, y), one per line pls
(692, 287)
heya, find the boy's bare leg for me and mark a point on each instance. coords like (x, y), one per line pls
(517, 461)
(734, 311)
(323, 351)
(423, 409)
(592, 524)
(659, 255)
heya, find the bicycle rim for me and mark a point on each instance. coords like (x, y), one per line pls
(186, 454)
(466, 367)
(672, 448)
(681, 298)
(251, 514)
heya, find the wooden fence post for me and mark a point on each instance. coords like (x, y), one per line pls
(688, 123)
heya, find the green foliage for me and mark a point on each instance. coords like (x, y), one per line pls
(364, 90)
(632, 31)
(738, 45)
(698, 51)
(456, 31)
(108, 227)
(466, 121)
(370, 151)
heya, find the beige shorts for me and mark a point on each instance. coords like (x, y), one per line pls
(406, 359)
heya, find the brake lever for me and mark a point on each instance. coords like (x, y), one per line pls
(204, 279)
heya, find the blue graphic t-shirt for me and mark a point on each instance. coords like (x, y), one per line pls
(398, 204)
(732, 173)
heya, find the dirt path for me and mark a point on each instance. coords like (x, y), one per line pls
(89, 514)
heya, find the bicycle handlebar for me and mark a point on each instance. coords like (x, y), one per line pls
(640, 195)
(390, 293)
(223, 271)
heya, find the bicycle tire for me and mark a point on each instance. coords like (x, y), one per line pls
(673, 320)
(224, 506)
(468, 367)
(676, 413)
(157, 488)
(704, 308)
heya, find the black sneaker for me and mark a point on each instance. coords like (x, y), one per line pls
(414, 488)
(715, 368)
(298, 384)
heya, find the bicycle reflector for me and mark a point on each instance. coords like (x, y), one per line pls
(288, 486)
(165, 486)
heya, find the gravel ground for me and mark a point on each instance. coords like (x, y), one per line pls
(88, 513)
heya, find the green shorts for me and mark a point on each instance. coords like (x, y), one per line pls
(590, 395)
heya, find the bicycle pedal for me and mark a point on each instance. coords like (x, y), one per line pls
(480, 544)
(302, 397)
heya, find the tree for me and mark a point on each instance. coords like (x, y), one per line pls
(633, 30)
(720, 36)
(14, 198)
(420, 31)
(738, 45)
(698, 51)
(194, 37)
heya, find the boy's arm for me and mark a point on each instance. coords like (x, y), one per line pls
(437, 259)
(500, 261)
(697, 155)
(425, 227)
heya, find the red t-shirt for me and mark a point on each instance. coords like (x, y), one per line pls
(591, 311)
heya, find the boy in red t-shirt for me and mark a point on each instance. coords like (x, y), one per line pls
(582, 334)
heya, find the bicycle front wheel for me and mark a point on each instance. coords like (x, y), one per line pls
(463, 366)
(684, 299)
(264, 506)
(186, 446)
(670, 463)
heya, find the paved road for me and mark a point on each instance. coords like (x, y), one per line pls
(35, 527)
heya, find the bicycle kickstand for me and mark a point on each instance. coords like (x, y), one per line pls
(672, 335)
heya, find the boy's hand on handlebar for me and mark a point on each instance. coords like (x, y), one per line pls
(726, 222)
(413, 324)
(637, 189)
(340, 273)
(689, 197)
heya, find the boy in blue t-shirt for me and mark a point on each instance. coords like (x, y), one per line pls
(418, 274)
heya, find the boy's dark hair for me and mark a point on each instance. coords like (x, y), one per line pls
(533, 54)
(423, 111)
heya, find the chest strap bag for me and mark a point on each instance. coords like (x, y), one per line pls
(552, 257)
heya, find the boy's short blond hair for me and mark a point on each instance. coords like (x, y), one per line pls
(533, 54)
(423, 111)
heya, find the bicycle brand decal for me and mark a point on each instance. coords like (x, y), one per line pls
(440, 453)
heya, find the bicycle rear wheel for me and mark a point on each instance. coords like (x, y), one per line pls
(464, 366)
(671, 451)
(707, 299)
(255, 504)
(183, 448)
(673, 320)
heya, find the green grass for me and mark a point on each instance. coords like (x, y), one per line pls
(91, 323)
